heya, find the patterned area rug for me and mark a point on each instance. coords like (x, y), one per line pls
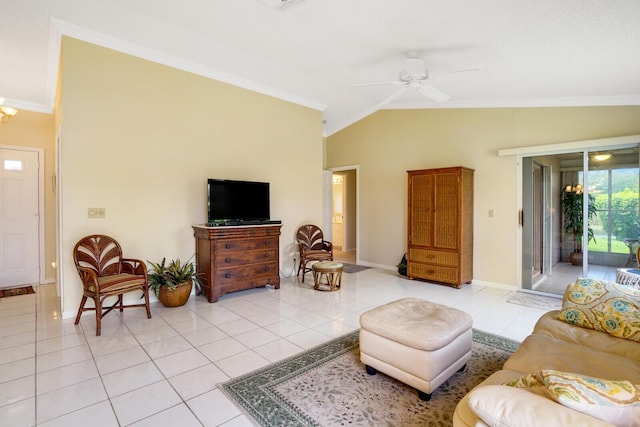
(16, 291)
(535, 301)
(353, 268)
(328, 386)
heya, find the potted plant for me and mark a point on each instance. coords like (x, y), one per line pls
(172, 283)
(572, 218)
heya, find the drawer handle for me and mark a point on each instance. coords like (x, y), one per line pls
(267, 269)
(431, 256)
(227, 246)
(430, 271)
(227, 260)
(227, 275)
(266, 255)
(267, 242)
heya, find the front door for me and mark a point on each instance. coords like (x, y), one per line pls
(19, 217)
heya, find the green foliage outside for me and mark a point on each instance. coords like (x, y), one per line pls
(624, 214)
(620, 220)
(600, 245)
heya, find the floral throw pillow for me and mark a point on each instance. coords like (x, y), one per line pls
(617, 402)
(603, 306)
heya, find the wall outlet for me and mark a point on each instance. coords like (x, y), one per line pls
(96, 212)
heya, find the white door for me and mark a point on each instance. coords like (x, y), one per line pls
(19, 217)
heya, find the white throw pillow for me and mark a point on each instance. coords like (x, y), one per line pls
(617, 402)
(504, 406)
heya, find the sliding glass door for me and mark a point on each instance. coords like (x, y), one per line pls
(561, 239)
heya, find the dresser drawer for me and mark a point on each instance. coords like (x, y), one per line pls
(245, 272)
(235, 245)
(224, 259)
(432, 272)
(434, 257)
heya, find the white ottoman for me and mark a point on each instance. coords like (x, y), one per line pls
(415, 341)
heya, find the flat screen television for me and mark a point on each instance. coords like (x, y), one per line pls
(236, 202)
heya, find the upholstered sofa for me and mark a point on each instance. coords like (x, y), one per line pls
(561, 346)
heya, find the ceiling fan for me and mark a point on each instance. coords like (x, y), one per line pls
(414, 76)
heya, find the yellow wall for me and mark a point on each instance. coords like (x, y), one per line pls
(29, 129)
(140, 140)
(388, 143)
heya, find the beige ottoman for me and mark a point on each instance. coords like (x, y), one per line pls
(415, 341)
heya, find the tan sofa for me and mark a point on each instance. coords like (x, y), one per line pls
(557, 345)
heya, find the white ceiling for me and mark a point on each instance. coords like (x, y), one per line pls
(529, 53)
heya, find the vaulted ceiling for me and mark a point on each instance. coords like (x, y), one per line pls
(520, 52)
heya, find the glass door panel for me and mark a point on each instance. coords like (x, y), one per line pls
(613, 182)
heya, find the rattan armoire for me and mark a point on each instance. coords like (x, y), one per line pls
(440, 226)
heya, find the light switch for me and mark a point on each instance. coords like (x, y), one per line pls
(490, 213)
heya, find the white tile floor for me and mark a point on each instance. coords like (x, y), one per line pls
(164, 371)
(564, 273)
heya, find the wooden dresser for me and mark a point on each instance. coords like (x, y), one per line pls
(440, 225)
(233, 258)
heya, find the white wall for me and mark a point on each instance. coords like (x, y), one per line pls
(388, 143)
(140, 140)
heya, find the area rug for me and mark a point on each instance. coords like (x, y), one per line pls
(24, 290)
(535, 301)
(329, 386)
(353, 268)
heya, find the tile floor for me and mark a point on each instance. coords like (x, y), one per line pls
(164, 371)
(564, 273)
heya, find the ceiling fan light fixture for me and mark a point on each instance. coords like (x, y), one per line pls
(601, 157)
(415, 70)
(6, 112)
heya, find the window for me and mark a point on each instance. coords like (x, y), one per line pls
(616, 200)
(13, 165)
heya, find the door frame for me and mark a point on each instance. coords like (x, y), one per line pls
(555, 148)
(41, 211)
(355, 168)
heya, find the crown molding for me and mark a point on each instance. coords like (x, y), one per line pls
(59, 28)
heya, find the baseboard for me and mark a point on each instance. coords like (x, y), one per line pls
(494, 285)
(375, 265)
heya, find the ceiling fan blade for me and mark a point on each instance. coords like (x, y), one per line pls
(380, 84)
(433, 93)
(393, 96)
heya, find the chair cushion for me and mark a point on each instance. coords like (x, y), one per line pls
(118, 282)
(314, 255)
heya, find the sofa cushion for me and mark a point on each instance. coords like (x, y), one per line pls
(617, 402)
(548, 324)
(603, 306)
(500, 405)
(546, 352)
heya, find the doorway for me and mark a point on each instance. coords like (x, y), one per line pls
(572, 241)
(19, 217)
(344, 214)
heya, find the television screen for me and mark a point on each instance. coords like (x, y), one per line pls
(237, 201)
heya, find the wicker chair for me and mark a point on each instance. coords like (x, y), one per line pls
(312, 247)
(105, 273)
